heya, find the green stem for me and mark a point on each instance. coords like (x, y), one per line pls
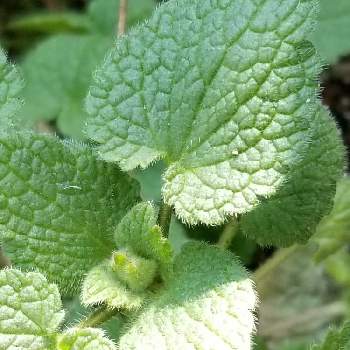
(262, 273)
(228, 234)
(164, 218)
(97, 317)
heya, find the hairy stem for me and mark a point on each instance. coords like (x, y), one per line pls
(228, 234)
(164, 218)
(271, 265)
(97, 317)
(123, 9)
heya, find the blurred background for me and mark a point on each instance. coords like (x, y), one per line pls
(57, 44)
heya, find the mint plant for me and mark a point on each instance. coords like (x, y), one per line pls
(225, 94)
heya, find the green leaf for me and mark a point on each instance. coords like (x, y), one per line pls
(333, 231)
(58, 73)
(31, 311)
(223, 91)
(11, 84)
(102, 285)
(207, 304)
(336, 339)
(333, 30)
(59, 206)
(50, 22)
(138, 231)
(84, 339)
(104, 14)
(293, 213)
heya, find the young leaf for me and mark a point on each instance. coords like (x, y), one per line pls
(104, 14)
(333, 31)
(333, 232)
(31, 311)
(222, 90)
(207, 304)
(58, 73)
(138, 231)
(59, 206)
(84, 339)
(102, 285)
(11, 84)
(293, 213)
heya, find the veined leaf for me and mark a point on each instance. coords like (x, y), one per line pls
(31, 311)
(293, 213)
(59, 206)
(224, 91)
(207, 304)
(84, 339)
(11, 84)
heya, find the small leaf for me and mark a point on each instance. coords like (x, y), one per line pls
(31, 311)
(59, 206)
(84, 339)
(293, 213)
(102, 285)
(11, 84)
(223, 91)
(333, 232)
(104, 14)
(138, 231)
(58, 73)
(207, 304)
(138, 273)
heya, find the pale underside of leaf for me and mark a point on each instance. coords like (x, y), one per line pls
(102, 286)
(222, 90)
(84, 339)
(30, 309)
(59, 206)
(207, 305)
(293, 213)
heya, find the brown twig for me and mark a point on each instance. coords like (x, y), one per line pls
(51, 5)
(4, 260)
(123, 9)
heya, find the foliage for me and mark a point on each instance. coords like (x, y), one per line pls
(212, 106)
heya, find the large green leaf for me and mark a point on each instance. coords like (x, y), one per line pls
(223, 91)
(207, 304)
(293, 213)
(31, 311)
(58, 73)
(333, 30)
(11, 84)
(59, 205)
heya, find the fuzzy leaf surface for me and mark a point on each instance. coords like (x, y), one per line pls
(293, 213)
(59, 205)
(102, 285)
(223, 91)
(11, 84)
(207, 305)
(31, 311)
(58, 73)
(138, 230)
(84, 339)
